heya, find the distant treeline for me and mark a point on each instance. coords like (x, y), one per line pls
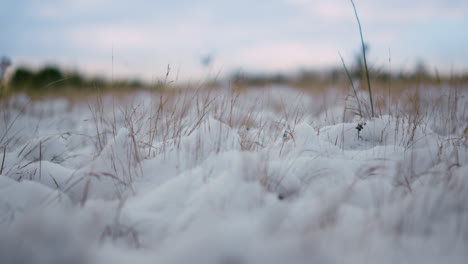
(51, 77)
(333, 75)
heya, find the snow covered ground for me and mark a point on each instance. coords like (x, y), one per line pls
(267, 175)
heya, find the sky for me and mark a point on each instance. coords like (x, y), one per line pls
(140, 38)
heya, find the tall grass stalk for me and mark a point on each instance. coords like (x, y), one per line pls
(3, 160)
(365, 59)
(352, 84)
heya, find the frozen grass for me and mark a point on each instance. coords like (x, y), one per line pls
(220, 175)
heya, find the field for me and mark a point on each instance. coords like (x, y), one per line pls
(231, 175)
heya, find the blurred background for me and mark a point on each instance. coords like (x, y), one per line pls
(152, 43)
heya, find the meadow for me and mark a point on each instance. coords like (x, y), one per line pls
(236, 174)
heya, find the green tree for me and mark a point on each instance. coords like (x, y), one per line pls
(47, 77)
(75, 80)
(22, 77)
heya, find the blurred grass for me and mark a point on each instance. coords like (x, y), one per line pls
(50, 82)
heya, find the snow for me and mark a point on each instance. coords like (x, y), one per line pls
(269, 175)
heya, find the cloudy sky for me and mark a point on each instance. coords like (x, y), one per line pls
(263, 36)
